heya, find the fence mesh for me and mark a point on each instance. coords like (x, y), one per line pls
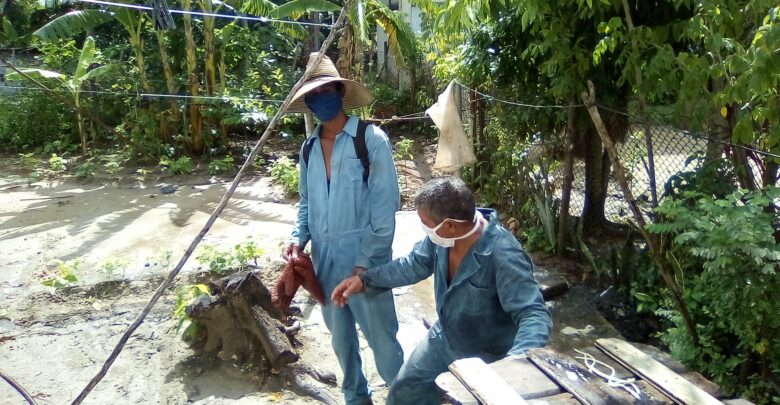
(672, 150)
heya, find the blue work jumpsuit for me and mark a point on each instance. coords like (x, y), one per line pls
(491, 308)
(351, 223)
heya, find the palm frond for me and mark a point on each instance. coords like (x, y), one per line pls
(72, 23)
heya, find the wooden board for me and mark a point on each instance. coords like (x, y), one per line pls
(484, 383)
(519, 373)
(576, 379)
(660, 376)
(558, 399)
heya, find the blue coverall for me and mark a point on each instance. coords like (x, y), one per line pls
(491, 307)
(351, 223)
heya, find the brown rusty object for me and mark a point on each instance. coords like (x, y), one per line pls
(298, 272)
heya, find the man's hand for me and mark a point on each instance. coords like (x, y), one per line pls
(341, 293)
(291, 250)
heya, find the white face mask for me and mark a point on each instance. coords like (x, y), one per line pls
(450, 242)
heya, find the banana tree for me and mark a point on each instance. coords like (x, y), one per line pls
(75, 22)
(74, 82)
(362, 16)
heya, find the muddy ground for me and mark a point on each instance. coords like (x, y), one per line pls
(53, 341)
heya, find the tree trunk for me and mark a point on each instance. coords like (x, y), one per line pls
(138, 46)
(239, 322)
(196, 135)
(208, 46)
(568, 179)
(596, 165)
(82, 134)
(170, 84)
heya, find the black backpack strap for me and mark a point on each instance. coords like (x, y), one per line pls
(307, 149)
(361, 150)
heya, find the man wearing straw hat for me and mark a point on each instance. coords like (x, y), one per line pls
(347, 212)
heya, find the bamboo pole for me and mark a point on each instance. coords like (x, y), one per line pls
(217, 211)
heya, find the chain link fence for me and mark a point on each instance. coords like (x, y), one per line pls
(673, 151)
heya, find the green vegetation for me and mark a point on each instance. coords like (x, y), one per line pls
(231, 260)
(285, 173)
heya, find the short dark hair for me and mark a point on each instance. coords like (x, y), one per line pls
(446, 197)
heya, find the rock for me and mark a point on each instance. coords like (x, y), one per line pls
(168, 189)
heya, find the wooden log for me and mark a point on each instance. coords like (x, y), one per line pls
(585, 386)
(525, 378)
(484, 383)
(661, 377)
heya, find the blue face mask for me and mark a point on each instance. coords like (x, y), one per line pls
(324, 105)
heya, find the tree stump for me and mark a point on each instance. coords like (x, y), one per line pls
(238, 321)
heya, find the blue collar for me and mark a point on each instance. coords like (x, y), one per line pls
(485, 243)
(350, 128)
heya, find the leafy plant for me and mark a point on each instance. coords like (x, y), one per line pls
(182, 165)
(185, 296)
(221, 165)
(403, 149)
(113, 163)
(285, 172)
(57, 163)
(235, 259)
(730, 262)
(66, 275)
(85, 170)
(113, 267)
(28, 161)
(74, 83)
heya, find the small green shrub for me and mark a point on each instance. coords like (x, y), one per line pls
(224, 261)
(28, 161)
(221, 165)
(113, 267)
(285, 173)
(182, 165)
(66, 275)
(185, 296)
(85, 170)
(403, 149)
(57, 163)
(725, 252)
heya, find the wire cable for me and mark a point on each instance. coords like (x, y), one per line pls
(203, 14)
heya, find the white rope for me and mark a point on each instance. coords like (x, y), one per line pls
(202, 14)
(612, 381)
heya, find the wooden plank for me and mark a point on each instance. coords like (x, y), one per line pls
(576, 379)
(703, 383)
(484, 383)
(525, 378)
(660, 376)
(738, 401)
(558, 399)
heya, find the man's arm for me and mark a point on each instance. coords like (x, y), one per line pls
(520, 297)
(300, 235)
(383, 199)
(412, 268)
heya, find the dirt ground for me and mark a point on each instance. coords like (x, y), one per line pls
(53, 342)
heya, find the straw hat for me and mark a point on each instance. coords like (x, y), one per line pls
(356, 95)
